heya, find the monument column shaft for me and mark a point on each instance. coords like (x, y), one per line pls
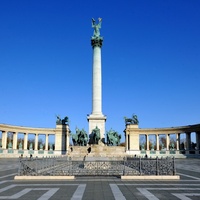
(97, 82)
(96, 119)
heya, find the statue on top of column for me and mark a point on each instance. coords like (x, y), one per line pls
(96, 27)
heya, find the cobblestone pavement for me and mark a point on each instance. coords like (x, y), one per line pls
(94, 188)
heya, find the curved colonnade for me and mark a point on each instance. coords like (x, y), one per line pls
(13, 146)
(10, 145)
(158, 147)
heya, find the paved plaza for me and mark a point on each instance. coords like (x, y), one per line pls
(110, 188)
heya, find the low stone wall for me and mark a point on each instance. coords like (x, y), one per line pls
(43, 178)
(175, 177)
(10, 153)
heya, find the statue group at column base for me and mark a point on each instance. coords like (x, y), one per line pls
(81, 138)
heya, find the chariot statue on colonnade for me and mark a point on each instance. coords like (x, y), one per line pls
(60, 121)
(133, 120)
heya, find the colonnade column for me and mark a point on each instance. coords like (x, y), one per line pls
(36, 142)
(188, 141)
(67, 140)
(15, 140)
(157, 142)
(4, 139)
(46, 142)
(198, 140)
(177, 141)
(147, 141)
(125, 142)
(128, 141)
(25, 141)
(167, 142)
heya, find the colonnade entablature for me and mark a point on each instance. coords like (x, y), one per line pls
(16, 140)
(171, 140)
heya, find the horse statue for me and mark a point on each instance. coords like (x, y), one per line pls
(96, 135)
(65, 120)
(85, 137)
(113, 138)
(133, 120)
(74, 139)
(80, 138)
(58, 121)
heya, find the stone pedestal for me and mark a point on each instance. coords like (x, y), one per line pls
(61, 139)
(97, 119)
(133, 137)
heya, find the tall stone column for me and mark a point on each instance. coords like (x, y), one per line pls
(97, 119)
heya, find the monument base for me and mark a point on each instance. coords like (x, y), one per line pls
(97, 121)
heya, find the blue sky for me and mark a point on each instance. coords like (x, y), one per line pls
(150, 62)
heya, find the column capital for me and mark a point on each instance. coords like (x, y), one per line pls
(96, 41)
